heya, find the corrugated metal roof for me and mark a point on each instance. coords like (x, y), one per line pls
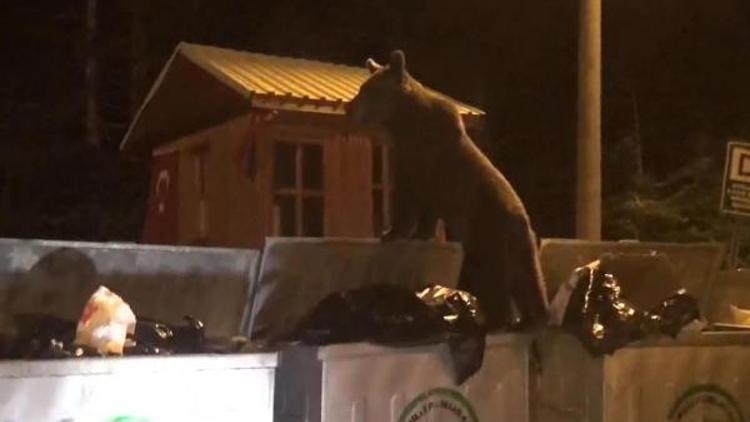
(201, 86)
(287, 80)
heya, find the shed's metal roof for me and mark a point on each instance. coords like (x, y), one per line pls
(296, 80)
(202, 86)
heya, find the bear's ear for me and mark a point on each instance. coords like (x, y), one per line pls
(372, 65)
(398, 62)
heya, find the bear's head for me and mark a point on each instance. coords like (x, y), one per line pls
(380, 94)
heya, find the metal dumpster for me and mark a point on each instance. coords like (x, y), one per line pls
(699, 376)
(362, 382)
(704, 377)
(197, 388)
(215, 285)
(164, 283)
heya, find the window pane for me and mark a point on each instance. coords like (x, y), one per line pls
(312, 216)
(312, 166)
(377, 164)
(284, 165)
(287, 223)
(377, 212)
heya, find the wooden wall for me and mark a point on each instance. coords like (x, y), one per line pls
(232, 199)
(348, 171)
(239, 206)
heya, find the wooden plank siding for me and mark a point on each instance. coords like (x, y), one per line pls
(349, 194)
(232, 198)
(239, 207)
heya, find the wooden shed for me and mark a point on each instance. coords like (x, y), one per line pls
(247, 145)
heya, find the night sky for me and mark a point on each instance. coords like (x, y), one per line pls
(676, 67)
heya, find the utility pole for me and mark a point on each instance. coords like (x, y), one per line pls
(589, 162)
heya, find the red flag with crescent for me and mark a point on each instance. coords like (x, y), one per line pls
(161, 225)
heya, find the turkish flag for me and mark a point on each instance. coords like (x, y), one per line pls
(162, 216)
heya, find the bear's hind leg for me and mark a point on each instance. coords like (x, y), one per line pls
(527, 282)
(483, 278)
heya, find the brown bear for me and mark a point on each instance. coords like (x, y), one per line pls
(441, 174)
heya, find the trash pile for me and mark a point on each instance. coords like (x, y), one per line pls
(380, 314)
(606, 304)
(594, 307)
(393, 316)
(107, 327)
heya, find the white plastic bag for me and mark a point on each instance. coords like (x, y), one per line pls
(105, 323)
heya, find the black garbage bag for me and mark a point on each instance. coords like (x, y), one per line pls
(675, 312)
(150, 338)
(190, 337)
(157, 338)
(381, 314)
(598, 316)
(41, 336)
(396, 317)
(466, 327)
(593, 308)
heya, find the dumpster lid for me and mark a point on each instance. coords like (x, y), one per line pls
(693, 264)
(297, 273)
(159, 282)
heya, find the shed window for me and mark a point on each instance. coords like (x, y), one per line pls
(299, 192)
(382, 188)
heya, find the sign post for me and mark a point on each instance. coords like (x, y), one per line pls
(735, 192)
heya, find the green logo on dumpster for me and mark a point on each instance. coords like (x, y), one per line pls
(707, 402)
(127, 419)
(449, 404)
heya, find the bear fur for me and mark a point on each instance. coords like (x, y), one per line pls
(441, 174)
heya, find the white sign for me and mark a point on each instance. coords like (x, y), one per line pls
(735, 194)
